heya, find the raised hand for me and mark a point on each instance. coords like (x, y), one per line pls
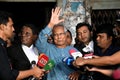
(55, 17)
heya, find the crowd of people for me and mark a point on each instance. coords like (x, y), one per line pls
(100, 50)
(7, 72)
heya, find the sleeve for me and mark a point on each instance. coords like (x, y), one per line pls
(6, 72)
(41, 42)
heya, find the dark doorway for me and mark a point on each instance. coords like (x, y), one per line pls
(37, 13)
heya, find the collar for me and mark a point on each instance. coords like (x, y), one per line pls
(89, 47)
(31, 47)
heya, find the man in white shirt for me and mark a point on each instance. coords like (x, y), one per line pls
(22, 55)
(85, 45)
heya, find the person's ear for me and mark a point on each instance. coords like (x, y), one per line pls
(111, 38)
(1, 26)
(35, 37)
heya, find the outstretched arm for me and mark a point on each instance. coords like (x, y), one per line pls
(101, 61)
(107, 72)
(36, 72)
(55, 17)
(41, 42)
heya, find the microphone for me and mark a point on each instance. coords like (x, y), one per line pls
(50, 64)
(75, 54)
(42, 60)
(89, 52)
(68, 60)
(33, 63)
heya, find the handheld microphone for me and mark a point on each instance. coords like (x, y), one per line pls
(33, 63)
(42, 60)
(50, 64)
(89, 52)
(75, 54)
(68, 60)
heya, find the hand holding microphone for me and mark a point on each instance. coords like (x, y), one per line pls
(87, 55)
(74, 55)
(79, 57)
(35, 68)
(33, 63)
(45, 63)
(80, 61)
(42, 61)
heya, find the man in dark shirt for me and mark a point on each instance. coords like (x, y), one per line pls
(6, 71)
(106, 47)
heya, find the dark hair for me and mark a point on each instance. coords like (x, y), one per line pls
(105, 28)
(4, 17)
(33, 28)
(70, 33)
(79, 25)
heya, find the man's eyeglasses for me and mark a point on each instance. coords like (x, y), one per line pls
(60, 34)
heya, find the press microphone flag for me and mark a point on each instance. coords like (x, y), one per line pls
(74, 53)
(68, 60)
(42, 60)
(50, 64)
(89, 52)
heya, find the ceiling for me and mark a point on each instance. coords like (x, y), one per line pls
(28, 0)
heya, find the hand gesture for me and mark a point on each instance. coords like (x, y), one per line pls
(55, 17)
